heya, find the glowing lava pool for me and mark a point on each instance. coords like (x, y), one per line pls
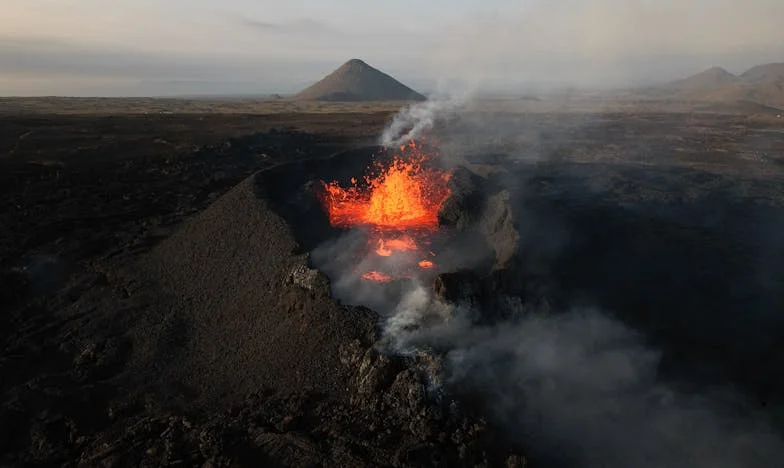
(397, 205)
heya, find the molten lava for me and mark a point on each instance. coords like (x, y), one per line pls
(377, 276)
(403, 244)
(404, 195)
(398, 206)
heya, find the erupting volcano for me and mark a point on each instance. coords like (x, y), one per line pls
(397, 205)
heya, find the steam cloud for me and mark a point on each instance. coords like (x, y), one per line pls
(580, 389)
(411, 122)
(575, 389)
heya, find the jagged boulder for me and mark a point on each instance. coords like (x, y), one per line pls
(474, 204)
(498, 228)
(459, 287)
(375, 372)
(465, 203)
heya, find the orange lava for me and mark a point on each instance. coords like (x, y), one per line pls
(404, 195)
(402, 244)
(377, 276)
(397, 204)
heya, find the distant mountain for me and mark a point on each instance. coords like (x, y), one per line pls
(768, 73)
(769, 94)
(711, 78)
(762, 84)
(355, 80)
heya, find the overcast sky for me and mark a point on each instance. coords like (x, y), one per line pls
(157, 47)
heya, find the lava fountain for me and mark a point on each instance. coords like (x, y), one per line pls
(397, 205)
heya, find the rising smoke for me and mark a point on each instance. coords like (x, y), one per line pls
(412, 122)
(580, 389)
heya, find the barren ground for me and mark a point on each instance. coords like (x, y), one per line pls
(86, 198)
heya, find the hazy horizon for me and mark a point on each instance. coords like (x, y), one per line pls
(238, 47)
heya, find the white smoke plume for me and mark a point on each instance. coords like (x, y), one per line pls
(454, 91)
(411, 122)
(581, 390)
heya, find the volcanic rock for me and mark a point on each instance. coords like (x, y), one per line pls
(309, 279)
(497, 226)
(465, 202)
(475, 205)
(490, 281)
(376, 372)
(355, 80)
(501, 295)
(767, 73)
(289, 449)
(460, 287)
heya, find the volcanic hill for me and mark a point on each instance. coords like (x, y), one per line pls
(762, 84)
(768, 73)
(355, 80)
(711, 78)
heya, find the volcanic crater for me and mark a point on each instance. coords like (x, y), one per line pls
(374, 215)
(245, 297)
